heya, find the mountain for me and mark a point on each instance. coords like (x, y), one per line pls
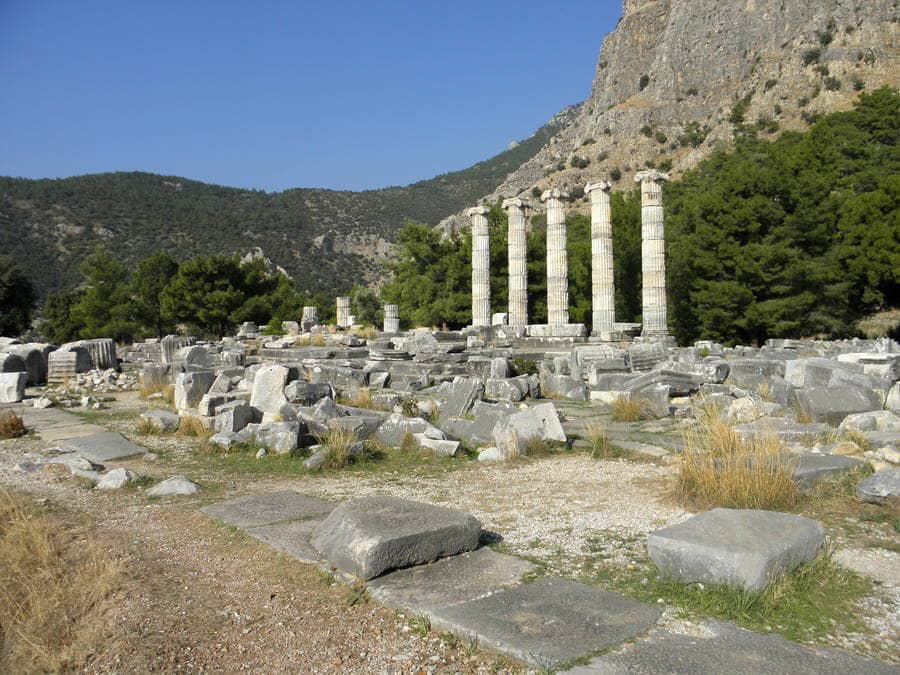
(326, 239)
(678, 78)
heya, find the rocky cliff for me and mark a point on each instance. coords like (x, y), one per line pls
(677, 78)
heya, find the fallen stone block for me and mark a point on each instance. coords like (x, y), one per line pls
(174, 486)
(461, 396)
(878, 420)
(743, 548)
(102, 447)
(161, 420)
(372, 535)
(881, 487)
(812, 467)
(269, 508)
(190, 388)
(831, 404)
(548, 622)
(511, 389)
(440, 448)
(279, 437)
(394, 429)
(564, 386)
(116, 479)
(362, 427)
(12, 386)
(268, 389)
(233, 417)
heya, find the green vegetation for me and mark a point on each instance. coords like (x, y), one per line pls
(54, 224)
(17, 298)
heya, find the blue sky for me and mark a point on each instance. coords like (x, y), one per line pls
(273, 95)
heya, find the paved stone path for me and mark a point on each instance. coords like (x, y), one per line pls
(69, 431)
(549, 622)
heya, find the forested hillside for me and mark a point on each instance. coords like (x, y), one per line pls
(327, 240)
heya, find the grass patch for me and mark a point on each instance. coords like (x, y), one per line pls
(338, 446)
(167, 391)
(631, 409)
(11, 425)
(811, 603)
(360, 398)
(317, 340)
(55, 580)
(718, 468)
(192, 427)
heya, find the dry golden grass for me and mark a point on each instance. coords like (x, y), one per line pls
(168, 392)
(338, 443)
(54, 583)
(599, 441)
(859, 438)
(631, 409)
(11, 425)
(360, 398)
(718, 468)
(366, 332)
(409, 444)
(192, 427)
(317, 340)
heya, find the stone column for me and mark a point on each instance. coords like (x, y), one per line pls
(343, 311)
(557, 258)
(603, 285)
(310, 317)
(518, 262)
(391, 319)
(653, 254)
(481, 266)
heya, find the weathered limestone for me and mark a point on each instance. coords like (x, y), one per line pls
(518, 263)
(602, 280)
(391, 319)
(310, 318)
(557, 258)
(343, 311)
(481, 266)
(12, 387)
(653, 254)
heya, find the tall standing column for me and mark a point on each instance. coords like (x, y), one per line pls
(653, 254)
(481, 266)
(518, 264)
(391, 319)
(557, 258)
(603, 285)
(343, 311)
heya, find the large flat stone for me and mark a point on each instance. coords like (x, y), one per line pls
(550, 621)
(266, 509)
(719, 647)
(812, 468)
(450, 581)
(291, 538)
(832, 403)
(735, 547)
(103, 447)
(375, 534)
(880, 487)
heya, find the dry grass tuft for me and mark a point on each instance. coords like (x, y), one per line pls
(360, 398)
(802, 415)
(366, 332)
(409, 443)
(599, 441)
(55, 582)
(192, 427)
(859, 438)
(631, 409)
(168, 392)
(718, 468)
(11, 425)
(338, 444)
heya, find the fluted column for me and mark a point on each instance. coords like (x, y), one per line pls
(518, 267)
(391, 319)
(343, 311)
(557, 258)
(653, 253)
(603, 287)
(481, 266)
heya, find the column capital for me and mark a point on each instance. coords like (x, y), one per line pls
(651, 175)
(515, 202)
(554, 193)
(603, 185)
(477, 211)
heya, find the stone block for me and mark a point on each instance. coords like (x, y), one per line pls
(831, 404)
(268, 508)
(162, 420)
(362, 426)
(812, 467)
(372, 535)
(190, 388)
(233, 416)
(461, 397)
(174, 486)
(550, 621)
(279, 437)
(12, 386)
(735, 547)
(268, 389)
(551, 427)
(102, 447)
(510, 389)
(394, 429)
(564, 386)
(881, 487)
(878, 420)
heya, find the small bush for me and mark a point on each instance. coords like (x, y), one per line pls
(192, 427)
(524, 366)
(832, 84)
(858, 83)
(579, 162)
(770, 83)
(777, 109)
(643, 82)
(826, 36)
(822, 70)
(615, 174)
(536, 192)
(718, 468)
(811, 56)
(11, 425)
(631, 409)
(588, 141)
(338, 444)
(665, 165)
(692, 91)
(409, 443)
(693, 135)
(603, 156)
(660, 137)
(647, 130)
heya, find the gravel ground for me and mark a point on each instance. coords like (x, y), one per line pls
(203, 597)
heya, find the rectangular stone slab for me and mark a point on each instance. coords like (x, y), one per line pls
(266, 509)
(720, 647)
(291, 538)
(372, 535)
(59, 433)
(104, 447)
(550, 621)
(449, 581)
